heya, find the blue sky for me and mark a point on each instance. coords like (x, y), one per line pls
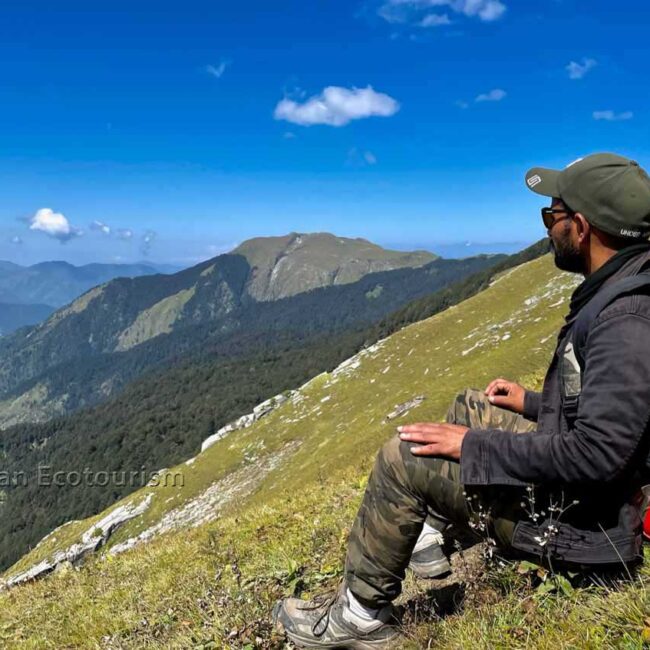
(173, 131)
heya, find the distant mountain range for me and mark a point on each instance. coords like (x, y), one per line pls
(283, 267)
(300, 283)
(58, 283)
(29, 294)
(13, 316)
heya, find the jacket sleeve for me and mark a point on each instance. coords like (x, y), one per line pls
(532, 401)
(613, 415)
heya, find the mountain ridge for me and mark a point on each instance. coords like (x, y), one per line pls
(282, 266)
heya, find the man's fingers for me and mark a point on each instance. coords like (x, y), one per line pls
(498, 386)
(426, 450)
(418, 427)
(499, 400)
(493, 385)
(420, 437)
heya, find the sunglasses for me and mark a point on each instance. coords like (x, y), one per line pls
(549, 219)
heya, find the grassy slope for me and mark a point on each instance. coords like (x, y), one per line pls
(213, 586)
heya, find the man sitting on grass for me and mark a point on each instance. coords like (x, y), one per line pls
(577, 450)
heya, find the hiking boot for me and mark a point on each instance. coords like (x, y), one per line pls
(428, 559)
(330, 623)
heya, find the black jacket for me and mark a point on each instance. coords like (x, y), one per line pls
(594, 464)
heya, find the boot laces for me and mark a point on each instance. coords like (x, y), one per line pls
(324, 602)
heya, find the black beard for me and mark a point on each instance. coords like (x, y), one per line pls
(567, 256)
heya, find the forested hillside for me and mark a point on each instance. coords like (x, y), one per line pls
(88, 351)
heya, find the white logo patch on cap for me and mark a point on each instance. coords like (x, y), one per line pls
(534, 180)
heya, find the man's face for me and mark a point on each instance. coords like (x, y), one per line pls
(567, 254)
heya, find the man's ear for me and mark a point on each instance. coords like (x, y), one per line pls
(583, 227)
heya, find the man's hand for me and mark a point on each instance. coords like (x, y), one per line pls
(506, 394)
(436, 439)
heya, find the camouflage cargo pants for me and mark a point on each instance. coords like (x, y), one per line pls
(404, 490)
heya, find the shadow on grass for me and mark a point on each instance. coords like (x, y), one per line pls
(433, 604)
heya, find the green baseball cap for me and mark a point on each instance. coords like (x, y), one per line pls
(612, 192)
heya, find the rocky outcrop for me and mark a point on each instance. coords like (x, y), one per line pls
(94, 538)
(404, 408)
(247, 420)
(208, 505)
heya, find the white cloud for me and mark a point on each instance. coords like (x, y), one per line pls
(218, 70)
(495, 95)
(612, 116)
(125, 234)
(435, 20)
(579, 70)
(53, 224)
(147, 241)
(289, 135)
(386, 12)
(101, 227)
(486, 10)
(360, 158)
(337, 106)
(370, 157)
(410, 11)
(16, 240)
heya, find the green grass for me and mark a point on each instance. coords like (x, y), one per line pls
(157, 319)
(295, 480)
(217, 584)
